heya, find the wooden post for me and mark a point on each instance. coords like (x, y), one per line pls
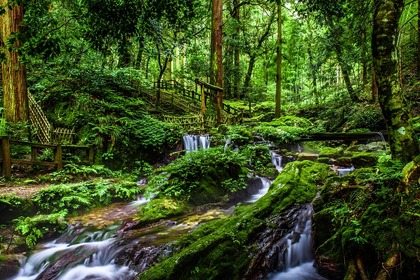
(203, 100)
(33, 154)
(7, 161)
(59, 157)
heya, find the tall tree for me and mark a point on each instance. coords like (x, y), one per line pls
(255, 49)
(396, 112)
(278, 62)
(15, 94)
(216, 65)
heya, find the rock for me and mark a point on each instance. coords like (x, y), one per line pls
(411, 172)
(9, 266)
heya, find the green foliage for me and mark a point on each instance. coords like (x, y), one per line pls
(226, 170)
(85, 195)
(34, 228)
(375, 212)
(282, 134)
(291, 121)
(161, 208)
(259, 159)
(74, 172)
(238, 134)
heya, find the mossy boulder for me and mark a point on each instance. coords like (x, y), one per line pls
(224, 249)
(162, 208)
(364, 159)
(9, 266)
(331, 152)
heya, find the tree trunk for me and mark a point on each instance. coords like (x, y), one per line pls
(15, 93)
(345, 70)
(237, 76)
(418, 38)
(278, 62)
(312, 64)
(216, 65)
(248, 75)
(397, 115)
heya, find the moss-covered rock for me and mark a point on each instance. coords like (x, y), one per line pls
(331, 152)
(364, 159)
(223, 249)
(162, 208)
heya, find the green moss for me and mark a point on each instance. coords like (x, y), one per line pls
(290, 121)
(331, 152)
(162, 208)
(364, 159)
(223, 249)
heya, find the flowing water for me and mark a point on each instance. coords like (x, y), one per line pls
(298, 259)
(265, 185)
(114, 252)
(195, 142)
(276, 160)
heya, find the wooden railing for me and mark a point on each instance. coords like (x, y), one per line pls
(175, 94)
(58, 150)
(39, 121)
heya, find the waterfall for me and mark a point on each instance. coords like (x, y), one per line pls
(344, 171)
(195, 142)
(265, 185)
(276, 160)
(88, 256)
(298, 258)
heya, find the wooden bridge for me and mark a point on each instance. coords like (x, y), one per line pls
(60, 153)
(194, 103)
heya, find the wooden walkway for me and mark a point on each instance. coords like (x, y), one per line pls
(174, 94)
(7, 145)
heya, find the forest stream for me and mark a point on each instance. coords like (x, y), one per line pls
(107, 244)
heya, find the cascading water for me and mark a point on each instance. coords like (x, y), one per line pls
(195, 142)
(298, 259)
(265, 185)
(276, 159)
(89, 255)
(344, 171)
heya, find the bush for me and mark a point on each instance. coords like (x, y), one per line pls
(210, 168)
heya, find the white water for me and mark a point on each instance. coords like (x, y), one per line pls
(195, 142)
(266, 183)
(276, 160)
(305, 271)
(97, 265)
(298, 259)
(344, 171)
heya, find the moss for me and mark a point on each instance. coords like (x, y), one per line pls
(291, 121)
(331, 152)
(161, 208)
(364, 159)
(223, 249)
(325, 160)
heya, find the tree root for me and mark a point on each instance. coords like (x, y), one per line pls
(387, 266)
(361, 268)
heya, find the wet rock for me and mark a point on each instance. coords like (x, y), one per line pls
(9, 266)
(411, 172)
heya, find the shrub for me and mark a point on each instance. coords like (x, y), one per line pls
(225, 171)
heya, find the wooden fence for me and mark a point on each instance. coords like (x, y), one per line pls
(194, 101)
(58, 150)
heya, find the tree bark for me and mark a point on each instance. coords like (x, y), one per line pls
(237, 75)
(404, 146)
(278, 62)
(216, 65)
(15, 93)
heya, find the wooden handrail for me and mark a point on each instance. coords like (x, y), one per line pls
(58, 162)
(207, 85)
